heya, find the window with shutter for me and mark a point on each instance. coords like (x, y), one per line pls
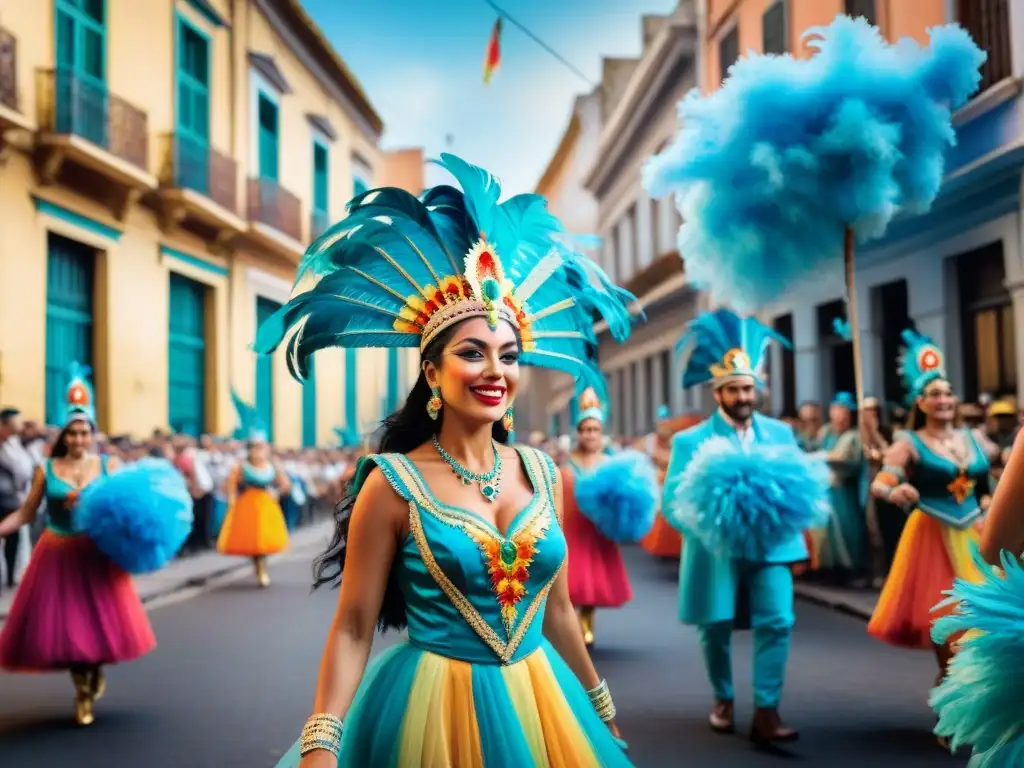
(862, 9)
(186, 353)
(774, 37)
(193, 108)
(728, 51)
(69, 316)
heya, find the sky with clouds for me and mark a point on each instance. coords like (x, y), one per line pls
(421, 65)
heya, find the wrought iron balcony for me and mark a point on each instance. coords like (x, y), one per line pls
(197, 166)
(318, 224)
(78, 106)
(8, 70)
(988, 21)
(274, 206)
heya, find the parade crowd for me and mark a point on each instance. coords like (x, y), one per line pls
(317, 476)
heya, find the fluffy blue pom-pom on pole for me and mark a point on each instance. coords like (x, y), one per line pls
(139, 516)
(981, 701)
(745, 502)
(768, 184)
(620, 497)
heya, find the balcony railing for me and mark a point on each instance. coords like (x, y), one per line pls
(81, 106)
(988, 21)
(8, 69)
(197, 166)
(318, 224)
(275, 206)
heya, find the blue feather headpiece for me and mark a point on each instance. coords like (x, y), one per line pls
(664, 413)
(80, 401)
(251, 426)
(347, 438)
(400, 270)
(767, 184)
(589, 406)
(845, 400)
(920, 363)
(723, 346)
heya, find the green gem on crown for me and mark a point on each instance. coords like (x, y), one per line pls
(491, 290)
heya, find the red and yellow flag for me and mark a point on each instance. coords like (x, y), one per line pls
(493, 56)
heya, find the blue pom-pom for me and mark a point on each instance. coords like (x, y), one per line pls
(620, 497)
(139, 516)
(745, 502)
(981, 701)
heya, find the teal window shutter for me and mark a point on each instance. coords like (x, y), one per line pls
(320, 177)
(186, 356)
(265, 371)
(192, 132)
(393, 377)
(69, 316)
(351, 392)
(80, 85)
(309, 407)
(268, 138)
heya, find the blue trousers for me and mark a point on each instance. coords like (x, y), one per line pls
(771, 615)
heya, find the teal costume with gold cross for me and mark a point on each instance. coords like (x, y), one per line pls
(476, 684)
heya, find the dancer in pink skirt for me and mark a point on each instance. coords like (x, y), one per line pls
(75, 609)
(597, 575)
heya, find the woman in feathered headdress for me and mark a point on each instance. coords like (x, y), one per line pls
(77, 608)
(608, 501)
(255, 524)
(449, 531)
(937, 472)
(840, 547)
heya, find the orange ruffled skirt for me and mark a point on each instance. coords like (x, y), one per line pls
(930, 555)
(663, 540)
(254, 526)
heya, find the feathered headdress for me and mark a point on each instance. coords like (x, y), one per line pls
(400, 270)
(79, 401)
(724, 345)
(664, 413)
(251, 426)
(347, 437)
(920, 363)
(588, 406)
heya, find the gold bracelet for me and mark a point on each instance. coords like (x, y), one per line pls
(601, 700)
(322, 731)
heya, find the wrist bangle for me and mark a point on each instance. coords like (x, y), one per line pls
(601, 700)
(322, 731)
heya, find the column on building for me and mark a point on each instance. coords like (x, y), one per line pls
(641, 406)
(668, 225)
(656, 387)
(624, 241)
(807, 349)
(1013, 249)
(644, 236)
(615, 395)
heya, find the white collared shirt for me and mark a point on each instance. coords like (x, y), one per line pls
(745, 435)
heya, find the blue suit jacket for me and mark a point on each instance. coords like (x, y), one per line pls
(708, 581)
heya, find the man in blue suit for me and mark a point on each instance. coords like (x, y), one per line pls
(729, 352)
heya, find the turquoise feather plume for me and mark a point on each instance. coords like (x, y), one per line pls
(841, 328)
(920, 363)
(250, 424)
(981, 701)
(375, 269)
(80, 400)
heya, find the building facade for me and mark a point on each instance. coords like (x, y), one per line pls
(955, 274)
(164, 169)
(638, 233)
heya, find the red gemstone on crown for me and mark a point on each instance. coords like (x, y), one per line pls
(78, 395)
(486, 260)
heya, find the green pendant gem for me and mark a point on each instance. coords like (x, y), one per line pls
(489, 492)
(508, 553)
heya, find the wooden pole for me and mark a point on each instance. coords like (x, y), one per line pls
(851, 310)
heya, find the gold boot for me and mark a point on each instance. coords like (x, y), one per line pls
(262, 577)
(83, 697)
(587, 625)
(98, 683)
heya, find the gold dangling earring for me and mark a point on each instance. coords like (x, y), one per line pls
(508, 420)
(434, 403)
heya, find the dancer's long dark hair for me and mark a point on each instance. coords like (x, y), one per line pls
(402, 431)
(60, 445)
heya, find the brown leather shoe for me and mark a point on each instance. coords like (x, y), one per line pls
(721, 718)
(768, 728)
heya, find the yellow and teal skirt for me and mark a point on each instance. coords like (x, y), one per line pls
(415, 708)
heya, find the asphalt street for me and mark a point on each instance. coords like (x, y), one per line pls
(232, 682)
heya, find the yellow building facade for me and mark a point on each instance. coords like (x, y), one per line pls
(164, 166)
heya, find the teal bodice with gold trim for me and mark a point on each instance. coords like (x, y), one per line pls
(59, 516)
(949, 492)
(471, 593)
